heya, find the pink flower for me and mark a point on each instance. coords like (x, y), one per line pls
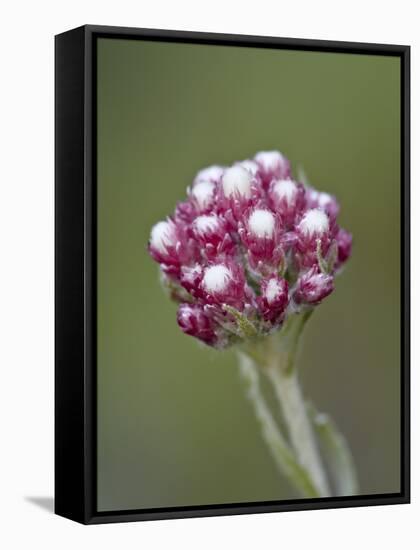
(288, 199)
(170, 245)
(312, 287)
(211, 233)
(313, 233)
(274, 298)
(238, 190)
(225, 284)
(323, 201)
(344, 246)
(272, 165)
(211, 173)
(248, 247)
(193, 321)
(260, 232)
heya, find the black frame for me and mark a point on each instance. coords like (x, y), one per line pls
(75, 273)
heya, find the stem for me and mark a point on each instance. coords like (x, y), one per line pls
(289, 395)
(280, 450)
(297, 455)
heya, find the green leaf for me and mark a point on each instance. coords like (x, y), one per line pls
(247, 329)
(337, 453)
(323, 265)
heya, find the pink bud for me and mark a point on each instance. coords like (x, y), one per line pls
(224, 283)
(202, 195)
(249, 165)
(211, 232)
(237, 192)
(260, 232)
(312, 287)
(191, 277)
(212, 174)
(344, 246)
(193, 321)
(323, 201)
(313, 228)
(272, 165)
(288, 199)
(170, 245)
(274, 299)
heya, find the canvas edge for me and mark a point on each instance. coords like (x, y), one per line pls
(81, 489)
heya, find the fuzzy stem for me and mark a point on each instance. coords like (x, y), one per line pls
(283, 455)
(292, 403)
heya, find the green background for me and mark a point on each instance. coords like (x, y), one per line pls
(174, 426)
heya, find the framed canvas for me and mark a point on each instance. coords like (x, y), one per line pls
(232, 274)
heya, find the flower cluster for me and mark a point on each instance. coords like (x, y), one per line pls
(249, 246)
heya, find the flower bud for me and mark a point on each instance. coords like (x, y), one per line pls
(272, 165)
(323, 201)
(170, 245)
(260, 233)
(190, 278)
(224, 283)
(211, 232)
(210, 174)
(193, 320)
(249, 165)
(344, 245)
(288, 199)
(203, 195)
(313, 232)
(274, 299)
(236, 183)
(312, 287)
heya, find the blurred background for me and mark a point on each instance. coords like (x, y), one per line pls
(174, 425)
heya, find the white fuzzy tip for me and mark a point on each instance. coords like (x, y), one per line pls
(261, 223)
(206, 224)
(216, 278)
(285, 189)
(203, 193)
(237, 180)
(269, 160)
(314, 221)
(212, 173)
(162, 236)
(273, 290)
(324, 199)
(249, 165)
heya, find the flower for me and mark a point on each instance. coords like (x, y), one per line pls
(248, 247)
(193, 320)
(313, 286)
(273, 299)
(272, 165)
(260, 231)
(287, 197)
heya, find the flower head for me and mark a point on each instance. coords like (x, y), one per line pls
(249, 246)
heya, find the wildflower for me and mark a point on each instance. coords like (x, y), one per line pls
(248, 247)
(247, 256)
